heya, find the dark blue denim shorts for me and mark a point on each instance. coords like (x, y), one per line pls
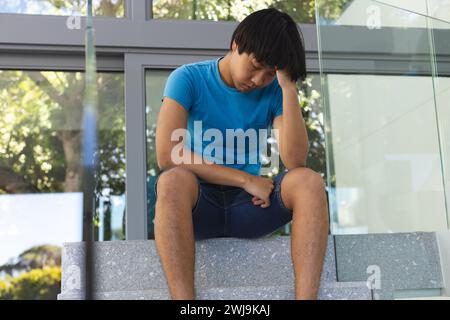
(227, 211)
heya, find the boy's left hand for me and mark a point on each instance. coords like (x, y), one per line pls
(284, 79)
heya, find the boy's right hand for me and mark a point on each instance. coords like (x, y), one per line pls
(260, 188)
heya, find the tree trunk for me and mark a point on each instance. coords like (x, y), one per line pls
(71, 140)
(12, 182)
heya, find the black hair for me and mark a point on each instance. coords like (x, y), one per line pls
(274, 39)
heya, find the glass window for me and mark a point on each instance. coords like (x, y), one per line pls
(109, 8)
(40, 152)
(385, 13)
(440, 10)
(385, 154)
(385, 120)
(442, 96)
(155, 81)
(308, 95)
(302, 11)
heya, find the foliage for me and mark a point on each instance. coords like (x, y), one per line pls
(40, 132)
(34, 275)
(113, 8)
(37, 284)
(302, 11)
(229, 10)
(41, 124)
(37, 257)
(310, 103)
(330, 10)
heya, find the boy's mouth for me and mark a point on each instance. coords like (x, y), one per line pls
(246, 87)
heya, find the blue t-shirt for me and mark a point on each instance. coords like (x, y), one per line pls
(199, 88)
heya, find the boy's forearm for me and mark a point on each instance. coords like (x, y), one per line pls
(211, 172)
(293, 134)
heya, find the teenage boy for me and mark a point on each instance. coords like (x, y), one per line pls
(251, 88)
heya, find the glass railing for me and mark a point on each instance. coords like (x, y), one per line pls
(385, 91)
(439, 34)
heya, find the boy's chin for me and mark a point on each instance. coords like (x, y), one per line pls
(244, 88)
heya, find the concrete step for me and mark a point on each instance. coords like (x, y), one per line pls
(426, 298)
(222, 262)
(329, 291)
(403, 263)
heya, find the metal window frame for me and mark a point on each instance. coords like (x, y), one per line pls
(136, 124)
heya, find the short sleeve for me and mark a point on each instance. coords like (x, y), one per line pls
(179, 86)
(277, 102)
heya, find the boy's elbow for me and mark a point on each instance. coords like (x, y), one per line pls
(164, 162)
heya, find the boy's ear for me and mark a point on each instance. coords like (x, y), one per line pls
(233, 46)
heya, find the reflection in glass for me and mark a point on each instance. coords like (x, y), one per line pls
(388, 13)
(40, 152)
(109, 8)
(302, 11)
(442, 99)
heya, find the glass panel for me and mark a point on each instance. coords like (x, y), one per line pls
(155, 81)
(40, 149)
(109, 8)
(302, 11)
(393, 13)
(309, 97)
(439, 10)
(442, 97)
(383, 150)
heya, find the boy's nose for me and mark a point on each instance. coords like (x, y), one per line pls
(257, 81)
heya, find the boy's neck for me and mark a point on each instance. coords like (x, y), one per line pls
(224, 71)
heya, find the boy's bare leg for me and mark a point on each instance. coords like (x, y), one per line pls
(303, 192)
(177, 192)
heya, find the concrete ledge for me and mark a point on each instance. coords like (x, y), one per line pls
(405, 260)
(222, 262)
(330, 291)
(261, 268)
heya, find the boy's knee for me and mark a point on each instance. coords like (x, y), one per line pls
(175, 181)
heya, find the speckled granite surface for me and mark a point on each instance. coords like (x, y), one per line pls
(135, 265)
(229, 268)
(402, 260)
(331, 291)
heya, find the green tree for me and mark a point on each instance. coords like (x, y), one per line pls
(329, 10)
(113, 8)
(302, 11)
(38, 257)
(225, 10)
(40, 135)
(40, 132)
(37, 284)
(34, 275)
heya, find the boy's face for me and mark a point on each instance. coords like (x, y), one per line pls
(247, 73)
